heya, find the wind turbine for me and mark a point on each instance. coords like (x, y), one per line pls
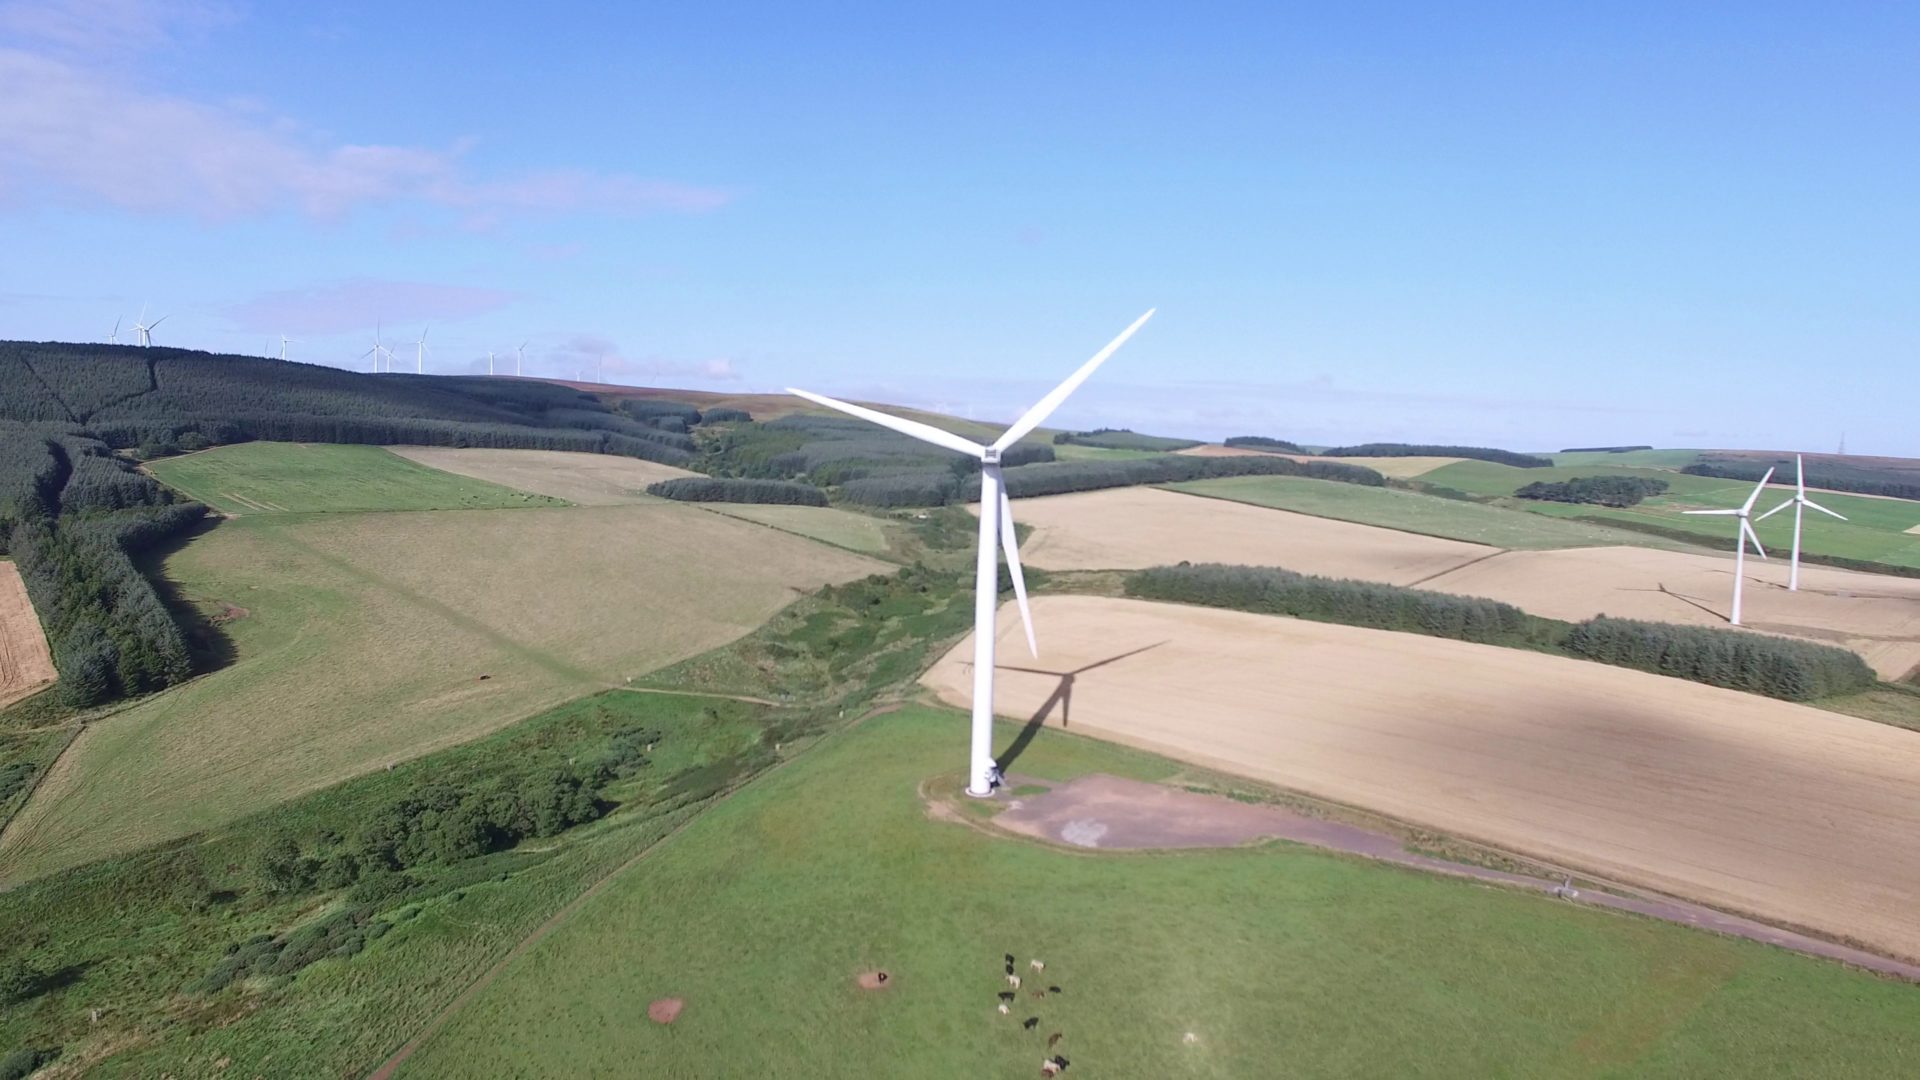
(420, 353)
(377, 348)
(145, 328)
(1740, 541)
(996, 533)
(519, 358)
(114, 338)
(1799, 502)
(284, 342)
(489, 361)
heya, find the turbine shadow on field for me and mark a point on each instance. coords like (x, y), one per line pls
(1062, 696)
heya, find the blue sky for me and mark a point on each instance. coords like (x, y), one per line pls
(1487, 224)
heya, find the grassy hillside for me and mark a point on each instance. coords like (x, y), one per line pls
(1411, 511)
(760, 914)
(268, 477)
(1876, 529)
(363, 639)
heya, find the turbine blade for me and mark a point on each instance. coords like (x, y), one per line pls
(1746, 531)
(1774, 511)
(1009, 542)
(1816, 506)
(1757, 489)
(1713, 513)
(158, 321)
(1800, 474)
(1045, 406)
(914, 428)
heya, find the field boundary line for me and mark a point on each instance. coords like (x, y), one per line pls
(1451, 569)
(703, 694)
(38, 776)
(553, 922)
(1329, 517)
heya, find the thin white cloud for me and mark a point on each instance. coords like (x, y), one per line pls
(589, 354)
(77, 126)
(358, 303)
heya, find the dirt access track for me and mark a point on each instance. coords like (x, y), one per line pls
(1795, 815)
(26, 667)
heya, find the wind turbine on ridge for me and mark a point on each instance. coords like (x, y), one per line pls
(114, 337)
(377, 348)
(519, 358)
(996, 534)
(284, 342)
(145, 328)
(1800, 503)
(1745, 534)
(489, 361)
(420, 352)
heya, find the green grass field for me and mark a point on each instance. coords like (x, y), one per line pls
(1875, 529)
(841, 528)
(763, 910)
(362, 639)
(1075, 452)
(1411, 511)
(269, 477)
(1652, 459)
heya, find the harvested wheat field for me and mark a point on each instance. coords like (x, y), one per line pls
(1217, 450)
(1403, 468)
(1875, 615)
(1789, 813)
(373, 638)
(585, 479)
(1136, 527)
(26, 667)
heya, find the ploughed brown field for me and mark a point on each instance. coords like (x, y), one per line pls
(1875, 615)
(1136, 527)
(26, 667)
(1789, 813)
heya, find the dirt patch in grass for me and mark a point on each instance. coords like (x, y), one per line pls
(665, 1010)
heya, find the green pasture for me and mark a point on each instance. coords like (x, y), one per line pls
(1076, 452)
(761, 913)
(1875, 529)
(1652, 459)
(270, 477)
(1411, 511)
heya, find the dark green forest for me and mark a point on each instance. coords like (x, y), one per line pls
(738, 489)
(1123, 439)
(1833, 476)
(1262, 442)
(1616, 491)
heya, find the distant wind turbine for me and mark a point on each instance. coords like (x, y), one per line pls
(1800, 503)
(489, 361)
(996, 534)
(377, 348)
(145, 328)
(114, 338)
(420, 353)
(284, 342)
(519, 358)
(1741, 538)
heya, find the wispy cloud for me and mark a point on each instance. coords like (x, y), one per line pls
(76, 125)
(353, 304)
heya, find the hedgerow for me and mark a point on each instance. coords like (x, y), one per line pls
(1478, 453)
(1123, 439)
(738, 490)
(1829, 475)
(1261, 442)
(1757, 663)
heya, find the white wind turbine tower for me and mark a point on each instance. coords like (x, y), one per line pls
(996, 533)
(519, 358)
(145, 328)
(1800, 503)
(284, 342)
(114, 338)
(489, 361)
(1745, 534)
(377, 349)
(420, 353)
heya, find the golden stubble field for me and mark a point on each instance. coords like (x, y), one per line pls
(364, 639)
(1875, 615)
(585, 479)
(26, 667)
(1137, 527)
(1785, 812)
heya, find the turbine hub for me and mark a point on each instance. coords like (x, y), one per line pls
(990, 456)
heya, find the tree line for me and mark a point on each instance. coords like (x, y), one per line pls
(1737, 660)
(1478, 453)
(1603, 449)
(1122, 439)
(1865, 481)
(1615, 491)
(1262, 442)
(738, 490)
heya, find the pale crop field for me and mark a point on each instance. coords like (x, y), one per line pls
(366, 639)
(1875, 615)
(584, 479)
(1136, 527)
(26, 667)
(841, 528)
(1785, 812)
